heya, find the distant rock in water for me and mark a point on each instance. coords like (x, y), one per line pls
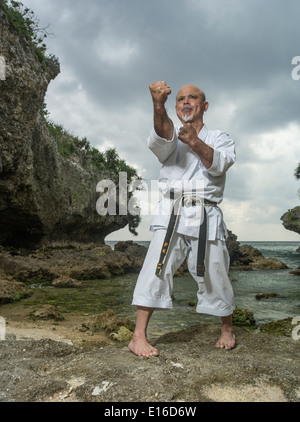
(246, 257)
(291, 220)
(268, 264)
(295, 272)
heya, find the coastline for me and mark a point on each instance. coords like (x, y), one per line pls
(72, 360)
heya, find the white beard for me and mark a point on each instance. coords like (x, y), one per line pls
(187, 118)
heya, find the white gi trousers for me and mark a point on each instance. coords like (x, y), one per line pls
(215, 294)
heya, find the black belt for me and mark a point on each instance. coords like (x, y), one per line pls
(170, 232)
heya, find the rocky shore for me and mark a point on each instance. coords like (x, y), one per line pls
(66, 264)
(51, 357)
(39, 365)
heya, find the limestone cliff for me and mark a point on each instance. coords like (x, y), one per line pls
(43, 194)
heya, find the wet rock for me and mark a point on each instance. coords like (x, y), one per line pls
(62, 261)
(243, 318)
(47, 312)
(24, 267)
(268, 264)
(295, 272)
(66, 282)
(135, 252)
(11, 291)
(250, 252)
(108, 322)
(241, 268)
(282, 327)
(123, 335)
(241, 256)
(260, 296)
(247, 258)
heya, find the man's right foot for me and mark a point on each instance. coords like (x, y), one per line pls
(141, 347)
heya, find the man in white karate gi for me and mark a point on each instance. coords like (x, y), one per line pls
(192, 179)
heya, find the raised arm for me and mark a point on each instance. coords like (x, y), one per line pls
(163, 125)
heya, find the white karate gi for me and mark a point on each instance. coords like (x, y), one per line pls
(182, 166)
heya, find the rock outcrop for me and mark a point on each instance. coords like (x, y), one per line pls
(43, 194)
(246, 257)
(65, 264)
(291, 220)
(268, 264)
(12, 291)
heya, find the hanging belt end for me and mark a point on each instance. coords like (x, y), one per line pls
(158, 269)
(200, 270)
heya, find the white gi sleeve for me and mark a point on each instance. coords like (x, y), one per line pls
(161, 147)
(224, 155)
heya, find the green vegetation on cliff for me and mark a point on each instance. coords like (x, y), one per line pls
(26, 23)
(108, 160)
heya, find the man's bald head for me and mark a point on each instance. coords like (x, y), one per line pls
(191, 104)
(191, 89)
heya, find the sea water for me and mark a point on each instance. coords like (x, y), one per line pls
(246, 285)
(281, 282)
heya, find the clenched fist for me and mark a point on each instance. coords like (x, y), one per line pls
(188, 134)
(160, 92)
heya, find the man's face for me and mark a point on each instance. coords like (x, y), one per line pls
(190, 104)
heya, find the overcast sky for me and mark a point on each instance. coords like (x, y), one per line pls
(238, 51)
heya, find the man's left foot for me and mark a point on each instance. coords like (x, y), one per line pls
(226, 341)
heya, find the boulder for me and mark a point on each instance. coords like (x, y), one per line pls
(135, 252)
(108, 322)
(268, 264)
(240, 256)
(291, 220)
(66, 282)
(260, 296)
(250, 253)
(11, 291)
(123, 335)
(47, 312)
(243, 318)
(283, 327)
(295, 272)
(233, 247)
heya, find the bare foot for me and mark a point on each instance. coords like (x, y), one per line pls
(226, 341)
(141, 347)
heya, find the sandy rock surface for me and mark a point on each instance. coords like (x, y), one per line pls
(38, 363)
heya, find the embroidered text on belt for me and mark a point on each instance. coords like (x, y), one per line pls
(179, 202)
